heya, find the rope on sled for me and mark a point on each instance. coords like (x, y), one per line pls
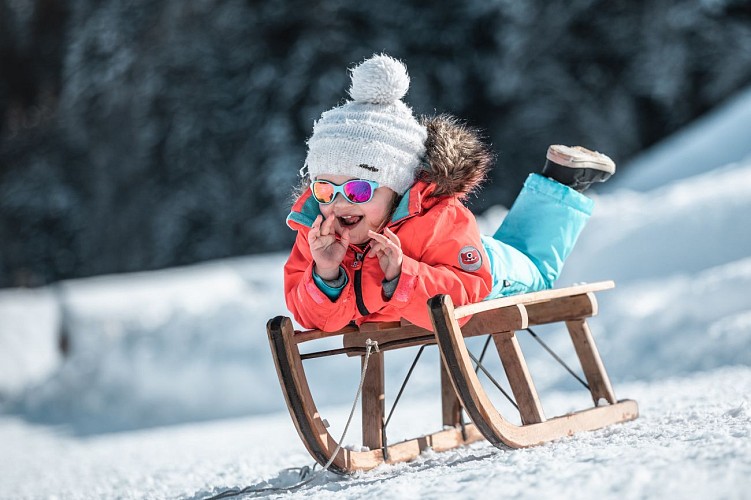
(557, 358)
(478, 364)
(370, 345)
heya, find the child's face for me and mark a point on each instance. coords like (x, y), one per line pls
(358, 218)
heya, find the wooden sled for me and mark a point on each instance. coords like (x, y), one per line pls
(460, 385)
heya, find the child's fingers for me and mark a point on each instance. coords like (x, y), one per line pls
(393, 237)
(388, 243)
(379, 238)
(391, 247)
(345, 237)
(390, 240)
(374, 248)
(315, 229)
(378, 243)
(326, 227)
(383, 246)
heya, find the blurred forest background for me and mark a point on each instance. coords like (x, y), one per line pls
(141, 134)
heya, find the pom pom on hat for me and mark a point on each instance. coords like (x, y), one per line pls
(379, 80)
(375, 136)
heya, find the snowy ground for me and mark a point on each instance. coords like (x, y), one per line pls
(169, 390)
(692, 440)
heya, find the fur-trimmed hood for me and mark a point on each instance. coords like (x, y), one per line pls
(458, 159)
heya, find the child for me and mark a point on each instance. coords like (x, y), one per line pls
(382, 227)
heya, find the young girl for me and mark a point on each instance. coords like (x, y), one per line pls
(382, 227)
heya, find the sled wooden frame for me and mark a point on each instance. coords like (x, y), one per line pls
(460, 385)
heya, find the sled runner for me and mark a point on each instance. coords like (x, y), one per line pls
(460, 385)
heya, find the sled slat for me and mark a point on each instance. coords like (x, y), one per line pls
(405, 336)
(562, 309)
(439, 441)
(308, 335)
(528, 300)
(531, 298)
(519, 378)
(509, 318)
(373, 399)
(450, 404)
(504, 319)
(589, 356)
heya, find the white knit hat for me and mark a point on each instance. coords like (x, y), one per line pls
(374, 136)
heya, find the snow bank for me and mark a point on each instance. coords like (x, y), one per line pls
(718, 139)
(681, 228)
(681, 259)
(157, 348)
(680, 324)
(29, 330)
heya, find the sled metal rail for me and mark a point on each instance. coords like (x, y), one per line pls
(460, 386)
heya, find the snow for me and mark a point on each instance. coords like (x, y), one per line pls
(719, 138)
(169, 390)
(692, 440)
(29, 319)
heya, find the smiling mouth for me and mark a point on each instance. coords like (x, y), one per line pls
(349, 220)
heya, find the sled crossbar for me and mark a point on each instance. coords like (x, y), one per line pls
(460, 387)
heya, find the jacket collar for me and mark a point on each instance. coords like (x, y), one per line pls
(415, 201)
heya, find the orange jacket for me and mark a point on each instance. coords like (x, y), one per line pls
(443, 254)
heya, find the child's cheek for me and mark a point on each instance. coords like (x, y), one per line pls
(325, 210)
(376, 215)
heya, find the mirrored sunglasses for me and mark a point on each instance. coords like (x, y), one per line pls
(354, 191)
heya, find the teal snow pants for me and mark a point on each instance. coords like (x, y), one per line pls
(528, 250)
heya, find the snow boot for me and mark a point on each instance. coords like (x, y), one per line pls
(577, 167)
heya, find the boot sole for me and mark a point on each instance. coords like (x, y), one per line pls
(579, 157)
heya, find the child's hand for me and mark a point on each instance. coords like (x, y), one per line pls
(328, 251)
(388, 249)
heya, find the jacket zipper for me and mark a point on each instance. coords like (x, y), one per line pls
(358, 283)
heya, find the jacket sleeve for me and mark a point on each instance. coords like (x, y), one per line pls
(310, 306)
(433, 265)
